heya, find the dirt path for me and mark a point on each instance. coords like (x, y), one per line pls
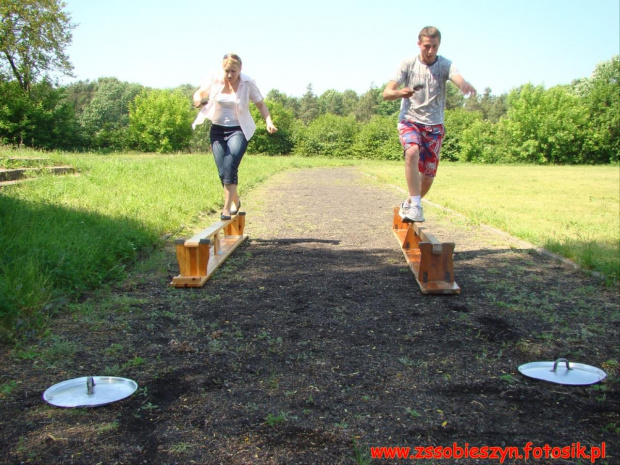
(313, 343)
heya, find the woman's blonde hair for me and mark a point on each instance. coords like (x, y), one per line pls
(232, 60)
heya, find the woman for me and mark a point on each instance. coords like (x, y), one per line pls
(229, 94)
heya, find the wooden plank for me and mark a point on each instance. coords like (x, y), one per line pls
(207, 233)
(428, 258)
(439, 287)
(436, 267)
(204, 252)
(236, 228)
(227, 247)
(182, 257)
(426, 236)
(231, 227)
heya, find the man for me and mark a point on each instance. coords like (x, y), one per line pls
(420, 126)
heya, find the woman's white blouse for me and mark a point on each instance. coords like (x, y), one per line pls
(246, 92)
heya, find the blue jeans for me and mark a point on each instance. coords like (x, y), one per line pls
(229, 145)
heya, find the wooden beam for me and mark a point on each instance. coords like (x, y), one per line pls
(429, 259)
(203, 253)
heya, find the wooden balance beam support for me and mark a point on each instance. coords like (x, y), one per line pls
(203, 253)
(429, 259)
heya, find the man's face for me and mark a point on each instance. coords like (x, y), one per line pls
(428, 49)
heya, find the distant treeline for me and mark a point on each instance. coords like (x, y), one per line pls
(570, 124)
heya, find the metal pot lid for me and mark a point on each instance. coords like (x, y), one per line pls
(563, 372)
(89, 391)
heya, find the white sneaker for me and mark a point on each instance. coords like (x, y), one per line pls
(411, 213)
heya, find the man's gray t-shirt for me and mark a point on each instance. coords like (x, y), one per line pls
(427, 105)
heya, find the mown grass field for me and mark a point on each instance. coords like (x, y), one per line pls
(61, 236)
(573, 211)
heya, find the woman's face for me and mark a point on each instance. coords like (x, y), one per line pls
(231, 73)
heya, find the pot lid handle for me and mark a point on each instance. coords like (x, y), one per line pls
(90, 385)
(560, 360)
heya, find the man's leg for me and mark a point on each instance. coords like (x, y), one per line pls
(409, 136)
(411, 209)
(429, 154)
(426, 183)
(412, 171)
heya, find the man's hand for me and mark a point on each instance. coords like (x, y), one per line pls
(406, 92)
(392, 92)
(465, 87)
(468, 89)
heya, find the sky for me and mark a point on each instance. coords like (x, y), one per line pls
(339, 44)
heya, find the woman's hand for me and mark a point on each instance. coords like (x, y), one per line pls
(200, 97)
(264, 111)
(270, 126)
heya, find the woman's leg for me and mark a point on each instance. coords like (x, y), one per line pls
(220, 151)
(230, 197)
(237, 145)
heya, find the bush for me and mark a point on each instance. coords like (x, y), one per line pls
(456, 122)
(280, 143)
(479, 143)
(546, 126)
(160, 121)
(328, 136)
(378, 139)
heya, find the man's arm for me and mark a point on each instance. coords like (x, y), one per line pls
(392, 92)
(461, 83)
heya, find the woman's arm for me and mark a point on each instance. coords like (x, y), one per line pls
(264, 111)
(202, 93)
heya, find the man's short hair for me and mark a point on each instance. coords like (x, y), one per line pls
(430, 32)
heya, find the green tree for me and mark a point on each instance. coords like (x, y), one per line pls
(41, 118)
(331, 101)
(387, 107)
(602, 98)
(491, 107)
(288, 103)
(546, 126)
(160, 121)
(350, 100)
(482, 142)
(309, 106)
(368, 104)
(106, 118)
(33, 37)
(80, 94)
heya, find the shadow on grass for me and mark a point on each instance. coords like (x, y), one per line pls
(49, 255)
